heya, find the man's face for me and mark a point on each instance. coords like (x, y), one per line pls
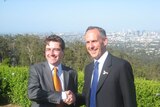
(53, 53)
(95, 44)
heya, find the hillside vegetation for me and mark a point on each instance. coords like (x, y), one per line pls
(27, 49)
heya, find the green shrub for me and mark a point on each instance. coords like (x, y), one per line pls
(14, 84)
(147, 93)
(80, 81)
(5, 61)
(4, 88)
(13, 87)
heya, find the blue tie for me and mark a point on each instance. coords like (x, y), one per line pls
(94, 85)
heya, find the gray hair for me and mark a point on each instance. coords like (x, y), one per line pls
(101, 30)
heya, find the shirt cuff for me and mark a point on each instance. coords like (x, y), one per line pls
(64, 96)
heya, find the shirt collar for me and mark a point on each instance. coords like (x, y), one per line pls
(102, 58)
(59, 68)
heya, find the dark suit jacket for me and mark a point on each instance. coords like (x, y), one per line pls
(40, 85)
(116, 84)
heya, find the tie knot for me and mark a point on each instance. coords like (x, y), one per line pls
(96, 63)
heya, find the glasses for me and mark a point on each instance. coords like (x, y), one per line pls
(53, 50)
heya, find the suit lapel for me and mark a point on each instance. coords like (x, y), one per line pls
(48, 73)
(105, 71)
(66, 77)
(89, 76)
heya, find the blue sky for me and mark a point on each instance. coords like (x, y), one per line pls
(45, 16)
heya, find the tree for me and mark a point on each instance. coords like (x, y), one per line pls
(30, 49)
(76, 55)
(4, 48)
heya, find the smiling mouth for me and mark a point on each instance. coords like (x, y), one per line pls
(53, 57)
(93, 50)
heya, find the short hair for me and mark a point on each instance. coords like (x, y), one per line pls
(55, 38)
(101, 30)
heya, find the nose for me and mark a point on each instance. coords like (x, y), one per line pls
(52, 51)
(90, 45)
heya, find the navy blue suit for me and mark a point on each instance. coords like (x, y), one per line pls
(116, 84)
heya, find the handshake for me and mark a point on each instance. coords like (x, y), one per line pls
(70, 97)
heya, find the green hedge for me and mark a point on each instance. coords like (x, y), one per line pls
(13, 88)
(148, 93)
(13, 85)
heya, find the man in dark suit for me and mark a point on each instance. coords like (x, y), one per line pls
(115, 83)
(41, 88)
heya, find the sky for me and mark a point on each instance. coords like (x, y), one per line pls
(45, 16)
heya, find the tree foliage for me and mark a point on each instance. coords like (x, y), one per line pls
(26, 49)
(76, 55)
(30, 49)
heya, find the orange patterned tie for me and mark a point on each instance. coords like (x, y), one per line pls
(57, 84)
(56, 80)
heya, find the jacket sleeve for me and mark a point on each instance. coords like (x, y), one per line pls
(127, 85)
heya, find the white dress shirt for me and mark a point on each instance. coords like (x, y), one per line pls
(101, 63)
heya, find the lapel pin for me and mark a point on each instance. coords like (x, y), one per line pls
(104, 72)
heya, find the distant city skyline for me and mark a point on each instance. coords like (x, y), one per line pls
(45, 16)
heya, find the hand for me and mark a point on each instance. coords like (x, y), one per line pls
(70, 97)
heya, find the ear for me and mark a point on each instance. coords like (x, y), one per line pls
(62, 54)
(105, 41)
